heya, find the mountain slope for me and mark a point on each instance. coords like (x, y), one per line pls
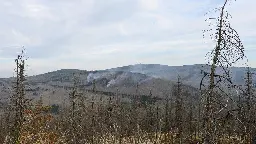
(150, 78)
(190, 74)
(55, 86)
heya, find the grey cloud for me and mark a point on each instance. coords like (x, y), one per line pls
(53, 29)
(10, 52)
(52, 48)
(111, 11)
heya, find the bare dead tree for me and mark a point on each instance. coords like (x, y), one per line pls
(18, 101)
(75, 113)
(228, 51)
(249, 107)
(179, 110)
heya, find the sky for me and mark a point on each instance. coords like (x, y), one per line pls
(101, 34)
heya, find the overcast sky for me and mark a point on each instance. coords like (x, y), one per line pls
(100, 34)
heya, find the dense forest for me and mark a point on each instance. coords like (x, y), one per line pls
(219, 111)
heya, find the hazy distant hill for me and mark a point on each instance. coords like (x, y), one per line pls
(159, 79)
(190, 74)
